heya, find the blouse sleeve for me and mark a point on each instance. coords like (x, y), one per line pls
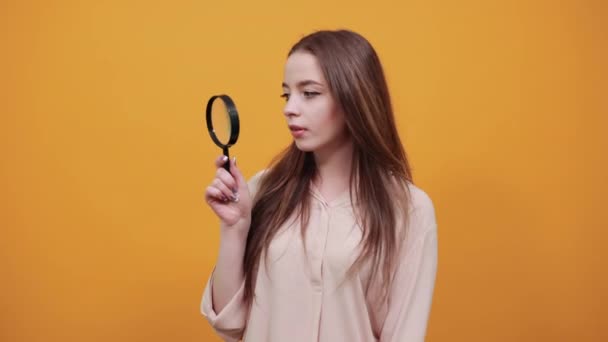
(230, 322)
(411, 292)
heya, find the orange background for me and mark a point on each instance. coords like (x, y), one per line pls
(104, 157)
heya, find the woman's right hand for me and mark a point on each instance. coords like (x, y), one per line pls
(229, 197)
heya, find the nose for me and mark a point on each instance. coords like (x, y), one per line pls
(291, 108)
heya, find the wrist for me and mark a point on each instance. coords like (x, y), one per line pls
(237, 232)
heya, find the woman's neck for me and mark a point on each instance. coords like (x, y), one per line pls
(334, 169)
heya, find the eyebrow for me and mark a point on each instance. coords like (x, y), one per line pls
(303, 83)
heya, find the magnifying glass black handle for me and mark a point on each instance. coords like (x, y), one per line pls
(227, 164)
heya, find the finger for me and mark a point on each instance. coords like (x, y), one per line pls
(227, 192)
(213, 193)
(220, 161)
(241, 182)
(227, 179)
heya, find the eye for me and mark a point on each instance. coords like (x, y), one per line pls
(285, 96)
(310, 94)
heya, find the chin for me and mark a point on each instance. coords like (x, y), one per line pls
(305, 147)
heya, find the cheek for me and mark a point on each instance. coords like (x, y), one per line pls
(331, 120)
(336, 124)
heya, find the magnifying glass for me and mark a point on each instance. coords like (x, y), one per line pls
(223, 123)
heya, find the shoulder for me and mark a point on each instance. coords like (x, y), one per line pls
(254, 181)
(421, 213)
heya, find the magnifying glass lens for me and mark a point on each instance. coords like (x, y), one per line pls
(221, 122)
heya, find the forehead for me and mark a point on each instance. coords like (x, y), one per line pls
(301, 66)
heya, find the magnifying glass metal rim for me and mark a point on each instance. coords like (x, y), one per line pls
(233, 116)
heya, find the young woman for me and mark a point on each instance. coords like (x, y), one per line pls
(332, 242)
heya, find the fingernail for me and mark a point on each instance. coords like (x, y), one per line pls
(224, 158)
(234, 160)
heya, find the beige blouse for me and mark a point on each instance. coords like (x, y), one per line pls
(304, 296)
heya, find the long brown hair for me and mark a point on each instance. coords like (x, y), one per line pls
(380, 169)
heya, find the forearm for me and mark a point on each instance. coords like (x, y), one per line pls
(228, 275)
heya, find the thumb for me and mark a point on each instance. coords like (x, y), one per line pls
(241, 182)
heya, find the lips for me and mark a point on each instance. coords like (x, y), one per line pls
(295, 128)
(297, 131)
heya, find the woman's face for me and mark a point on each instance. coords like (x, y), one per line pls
(315, 120)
